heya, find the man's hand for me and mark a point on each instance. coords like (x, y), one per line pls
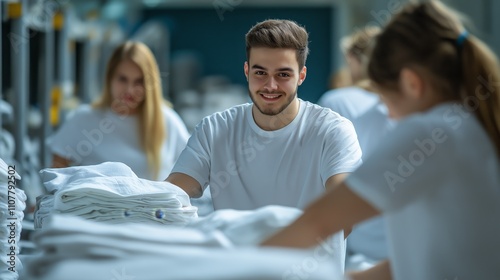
(187, 183)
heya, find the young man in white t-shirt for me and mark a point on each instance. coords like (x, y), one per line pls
(278, 150)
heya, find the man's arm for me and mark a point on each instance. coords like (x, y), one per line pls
(59, 162)
(187, 183)
(381, 271)
(335, 180)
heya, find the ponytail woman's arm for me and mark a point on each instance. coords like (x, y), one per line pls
(339, 208)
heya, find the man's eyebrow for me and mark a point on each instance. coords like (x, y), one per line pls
(283, 69)
(256, 66)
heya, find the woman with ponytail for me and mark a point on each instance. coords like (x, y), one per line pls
(436, 176)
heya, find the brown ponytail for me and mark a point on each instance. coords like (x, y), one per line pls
(428, 36)
(481, 82)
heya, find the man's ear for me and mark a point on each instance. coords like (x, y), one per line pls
(302, 75)
(411, 83)
(245, 68)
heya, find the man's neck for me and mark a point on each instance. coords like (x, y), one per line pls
(271, 123)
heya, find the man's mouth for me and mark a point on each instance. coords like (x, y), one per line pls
(270, 97)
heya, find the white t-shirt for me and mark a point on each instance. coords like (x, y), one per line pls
(369, 238)
(247, 167)
(436, 179)
(91, 136)
(349, 102)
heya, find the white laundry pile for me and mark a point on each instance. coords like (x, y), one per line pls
(110, 192)
(12, 205)
(250, 227)
(219, 246)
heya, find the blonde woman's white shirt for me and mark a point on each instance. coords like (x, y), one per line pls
(247, 167)
(91, 136)
(436, 179)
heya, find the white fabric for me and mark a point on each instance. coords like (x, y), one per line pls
(371, 128)
(436, 178)
(99, 193)
(247, 167)
(4, 172)
(248, 227)
(193, 264)
(56, 178)
(92, 136)
(204, 249)
(349, 102)
(369, 238)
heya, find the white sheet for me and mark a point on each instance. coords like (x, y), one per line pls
(197, 263)
(219, 246)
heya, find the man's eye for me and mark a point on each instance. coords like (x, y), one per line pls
(284, 75)
(260, 73)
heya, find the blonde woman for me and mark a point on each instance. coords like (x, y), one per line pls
(130, 123)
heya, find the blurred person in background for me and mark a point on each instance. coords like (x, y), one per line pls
(352, 101)
(130, 123)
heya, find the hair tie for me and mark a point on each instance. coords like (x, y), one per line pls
(461, 38)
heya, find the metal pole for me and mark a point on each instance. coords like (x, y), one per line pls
(20, 44)
(47, 60)
(1, 62)
(84, 72)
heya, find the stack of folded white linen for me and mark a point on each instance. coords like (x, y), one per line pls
(12, 205)
(111, 192)
(219, 246)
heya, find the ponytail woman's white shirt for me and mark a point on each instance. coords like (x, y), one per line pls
(436, 178)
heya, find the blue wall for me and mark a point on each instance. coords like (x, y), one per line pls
(221, 43)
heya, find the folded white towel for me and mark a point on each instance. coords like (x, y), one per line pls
(117, 187)
(55, 178)
(110, 192)
(68, 236)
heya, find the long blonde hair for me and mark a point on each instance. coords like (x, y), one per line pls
(430, 36)
(152, 132)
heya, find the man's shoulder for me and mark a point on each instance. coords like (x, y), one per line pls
(315, 111)
(228, 117)
(318, 120)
